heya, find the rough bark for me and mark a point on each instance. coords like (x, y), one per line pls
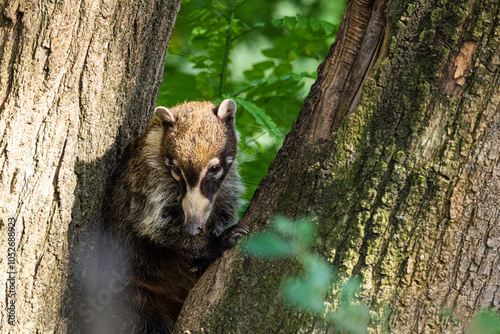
(395, 156)
(78, 80)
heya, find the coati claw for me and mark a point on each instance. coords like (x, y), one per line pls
(230, 235)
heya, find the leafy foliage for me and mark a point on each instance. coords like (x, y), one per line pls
(248, 51)
(294, 240)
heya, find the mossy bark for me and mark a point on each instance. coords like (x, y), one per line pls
(78, 80)
(395, 156)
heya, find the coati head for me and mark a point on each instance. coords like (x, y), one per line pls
(199, 146)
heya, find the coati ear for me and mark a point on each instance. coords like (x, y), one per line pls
(166, 116)
(226, 110)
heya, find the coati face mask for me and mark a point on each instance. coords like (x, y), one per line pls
(199, 145)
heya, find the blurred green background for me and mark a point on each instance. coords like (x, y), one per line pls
(263, 54)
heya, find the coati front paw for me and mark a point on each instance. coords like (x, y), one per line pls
(229, 236)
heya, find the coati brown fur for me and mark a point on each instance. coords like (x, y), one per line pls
(172, 206)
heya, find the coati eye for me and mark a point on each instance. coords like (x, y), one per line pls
(214, 170)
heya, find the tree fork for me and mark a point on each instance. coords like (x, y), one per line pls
(395, 155)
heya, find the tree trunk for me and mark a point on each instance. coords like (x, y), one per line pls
(78, 81)
(395, 157)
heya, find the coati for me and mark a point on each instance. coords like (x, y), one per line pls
(172, 206)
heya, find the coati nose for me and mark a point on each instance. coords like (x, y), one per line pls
(197, 208)
(193, 229)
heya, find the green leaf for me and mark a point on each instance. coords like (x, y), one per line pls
(276, 22)
(319, 271)
(263, 65)
(302, 293)
(307, 232)
(301, 22)
(283, 69)
(315, 24)
(282, 225)
(252, 75)
(290, 22)
(267, 246)
(285, 43)
(302, 231)
(352, 318)
(261, 148)
(485, 322)
(198, 31)
(351, 315)
(274, 53)
(349, 291)
(327, 27)
(260, 117)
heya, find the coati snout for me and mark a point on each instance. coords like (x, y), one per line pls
(199, 151)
